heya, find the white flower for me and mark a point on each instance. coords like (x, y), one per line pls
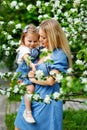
(85, 72)
(84, 36)
(59, 77)
(79, 62)
(46, 3)
(29, 7)
(4, 46)
(16, 7)
(76, 2)
(58, 11)
(47, 99)
(39, 74)
(83, 80)
(56, 95)
(14, 31)
(44, 50)
(85, 88)
(68, 78)
(18, 26)
(2, 92)
(36, 97)
(21, 91)
(9, 89)
(9, 37)
(1, 22)
(38, 3)
(61, 91)
(13, 4)
(40, 16)
(7, 53)
(16, 89)
(52, 73)
(11, 22)
(45, 16)
(8, 94)
(21, 4)
(73, 10)
(69, 70)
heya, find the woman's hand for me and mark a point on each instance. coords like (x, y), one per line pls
(31, 74)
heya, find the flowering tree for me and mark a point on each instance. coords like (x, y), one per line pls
(72, 16)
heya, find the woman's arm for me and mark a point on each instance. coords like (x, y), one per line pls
(50, 80)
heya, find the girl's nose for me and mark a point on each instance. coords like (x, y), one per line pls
(32, 43)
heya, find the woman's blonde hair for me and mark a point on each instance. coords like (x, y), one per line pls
(56, 37)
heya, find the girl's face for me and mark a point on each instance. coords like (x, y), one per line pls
(31, 40)
(43, 38)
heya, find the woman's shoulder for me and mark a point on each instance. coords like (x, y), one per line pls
(59, 53)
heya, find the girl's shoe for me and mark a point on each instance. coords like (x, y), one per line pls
(28, 118)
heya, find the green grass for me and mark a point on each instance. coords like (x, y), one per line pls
(72, 120)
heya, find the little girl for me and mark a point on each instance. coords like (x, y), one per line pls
(28, 49)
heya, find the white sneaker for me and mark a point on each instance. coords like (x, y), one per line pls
(27, 118)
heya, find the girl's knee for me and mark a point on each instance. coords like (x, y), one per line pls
(17, 128)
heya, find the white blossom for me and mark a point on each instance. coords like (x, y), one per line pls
(76, 2)
(16, 89)
(9, 37)
(39, 74)
(7, 53)
(47, 99)
(29, 7)
(14, 31)
(85, 72)
(11, 22)
(46, 3)
(13, 4)
(4, 46)
(85, 88)
(68, 78)
(16, 7)
(44, 50)
(69, 70)
(2, 92)
(1, 22)
(79, 62)
(45, 16)
(58, 77)
(39, 17)
(8, 94)
(21, 4)
(38, 3)
(36, 97)
(18, 26)
(56, 95)
(83, 80)
(61, 91)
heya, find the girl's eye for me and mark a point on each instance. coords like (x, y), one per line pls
(29, 41)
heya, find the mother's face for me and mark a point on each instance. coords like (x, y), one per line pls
(43, 38)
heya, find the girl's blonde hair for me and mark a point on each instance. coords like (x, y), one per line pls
(56, 37)
(29, 29)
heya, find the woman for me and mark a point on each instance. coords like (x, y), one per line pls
(48, 117)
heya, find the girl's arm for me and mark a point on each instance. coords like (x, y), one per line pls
(29, 62)
(50, 80)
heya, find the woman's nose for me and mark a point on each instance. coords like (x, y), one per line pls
(40, 39)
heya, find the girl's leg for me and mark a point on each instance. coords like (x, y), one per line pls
(16, 128)
(28, 112)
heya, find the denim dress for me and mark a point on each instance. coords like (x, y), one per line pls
(47, 116)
